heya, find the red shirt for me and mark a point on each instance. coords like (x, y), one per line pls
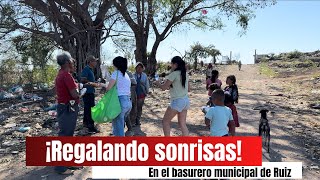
(64, 83)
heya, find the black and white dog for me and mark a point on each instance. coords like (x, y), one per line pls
(264, 128)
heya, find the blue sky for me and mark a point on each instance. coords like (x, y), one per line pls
(284, 27)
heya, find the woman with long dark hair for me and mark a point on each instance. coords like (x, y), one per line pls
(178, 84)
(122, 79)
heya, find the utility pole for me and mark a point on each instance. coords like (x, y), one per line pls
(255, 56)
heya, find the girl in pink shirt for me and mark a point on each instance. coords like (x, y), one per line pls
(213, 79)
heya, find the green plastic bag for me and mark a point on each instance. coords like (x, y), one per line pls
(108, 108)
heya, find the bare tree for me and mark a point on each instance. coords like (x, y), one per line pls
(77, 26)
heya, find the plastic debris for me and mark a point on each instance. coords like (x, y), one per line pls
(38, 126)
(52, 113)
(3, 117)
(50, 108)
(10, 125)
(36, 98)
(24, 109)
(6, 95)
(16, 89)
(24, 129)
(14, 152)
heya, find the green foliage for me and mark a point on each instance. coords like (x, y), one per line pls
(295, 64)
(295, 55)
(131, 68)
(126, 46)
(12, 71)
(266, 70)
(35, 47)
(110, 69)
(199, 51)
(162, 67)
(8, 71)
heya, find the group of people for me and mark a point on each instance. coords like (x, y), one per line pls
(132, 91)
(222, 116)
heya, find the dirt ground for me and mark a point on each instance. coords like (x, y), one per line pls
(295, 127)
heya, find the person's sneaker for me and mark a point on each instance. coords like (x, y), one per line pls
(66, 172)
(129, 133)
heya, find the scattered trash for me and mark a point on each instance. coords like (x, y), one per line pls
(38, 126)
(24, 110)
(16, 89)
(24, 129)
(14, 152)
(32, 97)
(10, 125)
(278, 95)
(315, 106)
(52, 113)
(10, 143)
(36, 98)
(50, 108)
(5, 95)
(50, 123)
(3, 117)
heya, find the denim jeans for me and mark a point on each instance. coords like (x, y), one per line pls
(180, 104)
(118, 122)
(67, 121)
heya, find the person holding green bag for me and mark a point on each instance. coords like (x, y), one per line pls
(121, 80)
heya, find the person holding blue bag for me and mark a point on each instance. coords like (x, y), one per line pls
(121, 80)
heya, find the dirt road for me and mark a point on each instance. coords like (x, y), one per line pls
(294, 128)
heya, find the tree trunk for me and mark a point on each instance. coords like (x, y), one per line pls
(152, 61)
(141, 50)
(195, 64)
(82, 46)
(214, 60)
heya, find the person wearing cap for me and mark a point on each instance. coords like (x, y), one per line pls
(142, 89)
(87, 77)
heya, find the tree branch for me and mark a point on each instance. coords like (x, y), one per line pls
(85, 4)
(122, 8)
(103, 9)
(47, 34)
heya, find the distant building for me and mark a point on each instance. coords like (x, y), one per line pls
(259, 57)
(225, 60)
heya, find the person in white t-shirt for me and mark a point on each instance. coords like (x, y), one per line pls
(219, 116)
(123, 87)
